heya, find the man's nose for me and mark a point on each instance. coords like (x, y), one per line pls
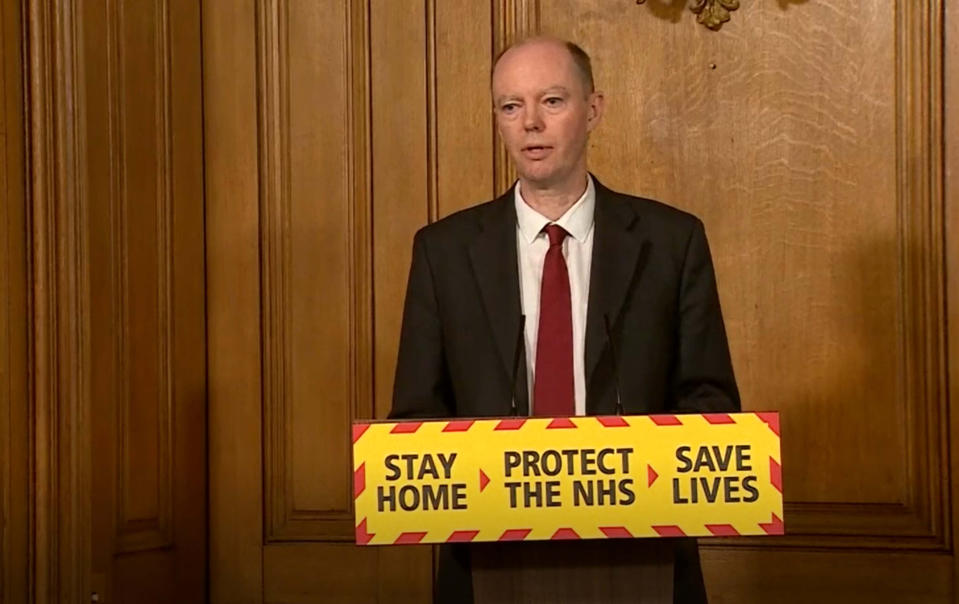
(532, 120)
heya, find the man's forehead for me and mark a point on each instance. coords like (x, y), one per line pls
(533, 67)
(535, 56)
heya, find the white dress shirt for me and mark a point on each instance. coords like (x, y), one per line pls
(532, 245)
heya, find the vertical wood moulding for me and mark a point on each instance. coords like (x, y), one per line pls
(273, 118)
(165, 343)
(950, 69)
(432, 163)
(921, 522)
(920, 210)
(512, 20)
(121, 271)
(59, 422)
(360, 215)
(14, 439)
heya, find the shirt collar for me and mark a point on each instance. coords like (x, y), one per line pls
(577, 220)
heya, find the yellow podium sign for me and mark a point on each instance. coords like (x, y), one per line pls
(589, 477)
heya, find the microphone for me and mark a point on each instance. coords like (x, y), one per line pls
(516, 359)
(612, 353)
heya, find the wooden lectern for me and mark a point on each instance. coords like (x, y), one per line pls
(607, 571)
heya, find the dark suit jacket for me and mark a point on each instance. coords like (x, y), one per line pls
(651, 276)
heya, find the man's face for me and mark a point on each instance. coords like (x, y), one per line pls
(544, 113)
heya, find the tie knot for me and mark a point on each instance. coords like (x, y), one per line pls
(555, 233)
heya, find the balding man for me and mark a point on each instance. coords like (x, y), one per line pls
(576, 266)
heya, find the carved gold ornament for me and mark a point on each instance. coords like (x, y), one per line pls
(711, 13)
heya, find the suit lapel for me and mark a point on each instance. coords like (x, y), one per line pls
(616, 250)
(493, 258)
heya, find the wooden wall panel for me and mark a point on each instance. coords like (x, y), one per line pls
(315, 258)
(804, 134)
(142, 222)
(233, 300)
(117, 225)
(811, 165)
(306, 212)
(401, 192)
(291, 285)
(461, 110)
(797, 577)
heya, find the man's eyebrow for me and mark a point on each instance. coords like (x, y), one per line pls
(506, 97)
(515, 97)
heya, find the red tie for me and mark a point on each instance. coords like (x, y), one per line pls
(553, 385)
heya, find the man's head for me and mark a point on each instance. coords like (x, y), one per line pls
(545, 108)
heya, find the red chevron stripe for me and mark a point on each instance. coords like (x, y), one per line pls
(406, 427)
(774, 527)
(613, 421)
(363, 537)
(771, 418)
(669, 530)
(722, 530)
(514, 534)
(719, 418)
(616, 532)
(510, 424)
(565, 533)
(359, 430)
(776, 474)
(461, 536)
(666, 420)
(359, 480)
(560, 422)
(460, 425)
(407, 538)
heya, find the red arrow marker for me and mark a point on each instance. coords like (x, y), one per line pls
(651, 475)
(484, 480)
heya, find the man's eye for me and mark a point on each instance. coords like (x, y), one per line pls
(508, 108)
(554, 101)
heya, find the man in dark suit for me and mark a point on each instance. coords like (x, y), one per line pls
(601, 278)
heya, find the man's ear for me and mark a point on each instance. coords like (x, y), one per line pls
(596, 105)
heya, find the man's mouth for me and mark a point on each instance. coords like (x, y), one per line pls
(536, 151)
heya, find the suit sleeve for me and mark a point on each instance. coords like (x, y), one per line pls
(421, 386)
(703, 379)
